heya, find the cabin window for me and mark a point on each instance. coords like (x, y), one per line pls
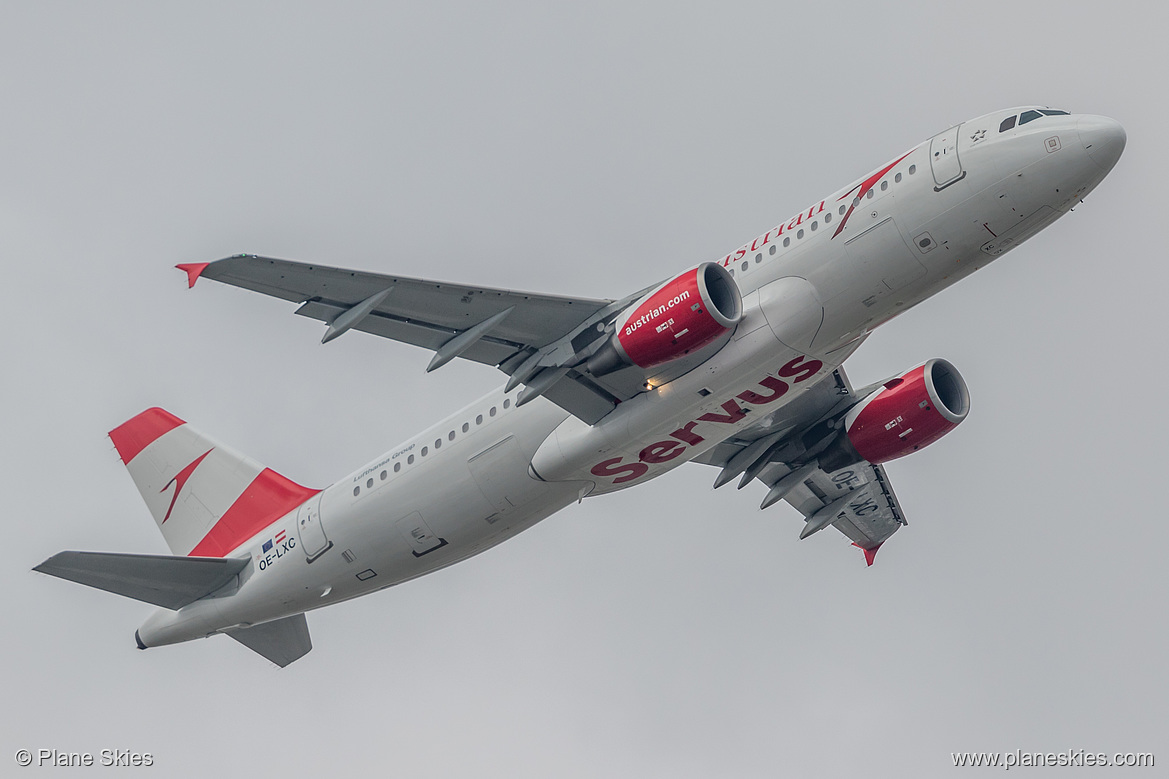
(451, 435)
(491, 412)
(507, 402)
(787, 242)
(410, 460)
(397, 467)
(369, 484)
(479, 420)
(424, 451)
(356, 491)
(771, 251)
(438, 443)
(466, 427)
(384, 475)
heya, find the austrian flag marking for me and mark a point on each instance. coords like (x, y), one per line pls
(279, 539)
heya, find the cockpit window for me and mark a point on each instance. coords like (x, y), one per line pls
(1029, 116)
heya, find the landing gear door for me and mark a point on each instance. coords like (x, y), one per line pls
(310, 530)
(944, 162)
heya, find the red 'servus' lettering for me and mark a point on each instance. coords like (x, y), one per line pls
(800, 369)
(777, 387)
(734, 413)
(613, 466)
(800, 372)
(687, 435)
(660, 452)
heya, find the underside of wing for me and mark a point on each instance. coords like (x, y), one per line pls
(783, 451)
(416, 311)
(857, 500)
(540, 341)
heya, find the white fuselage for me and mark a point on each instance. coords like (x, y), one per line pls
(811, 291)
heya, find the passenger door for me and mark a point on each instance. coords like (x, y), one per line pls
(310, 530)
(944, 162)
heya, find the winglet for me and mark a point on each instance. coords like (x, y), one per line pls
(193, 271)
(870, 554)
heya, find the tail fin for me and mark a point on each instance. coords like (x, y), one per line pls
(206, 498)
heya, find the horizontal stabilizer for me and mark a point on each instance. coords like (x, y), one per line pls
(170, 582)
(282, 641)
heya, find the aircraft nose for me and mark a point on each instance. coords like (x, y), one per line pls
(1103, 139)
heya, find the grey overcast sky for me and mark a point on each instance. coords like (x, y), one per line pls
(588, 149)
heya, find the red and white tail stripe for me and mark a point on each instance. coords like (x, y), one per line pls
(206, 498)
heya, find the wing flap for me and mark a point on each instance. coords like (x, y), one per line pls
(170, 582)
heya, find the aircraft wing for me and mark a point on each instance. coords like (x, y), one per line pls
(542, 338)
(868, 511)
(780, 451)
(415, 311)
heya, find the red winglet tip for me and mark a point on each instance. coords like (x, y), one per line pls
(193, 271)
(870, 554)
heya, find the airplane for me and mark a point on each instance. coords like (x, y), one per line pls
(735, 363)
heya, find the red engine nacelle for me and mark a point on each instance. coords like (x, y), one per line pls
(677, 318)
(908, 413)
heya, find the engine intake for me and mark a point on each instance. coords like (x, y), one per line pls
(679, 317)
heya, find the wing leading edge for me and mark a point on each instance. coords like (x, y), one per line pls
(541, 341)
